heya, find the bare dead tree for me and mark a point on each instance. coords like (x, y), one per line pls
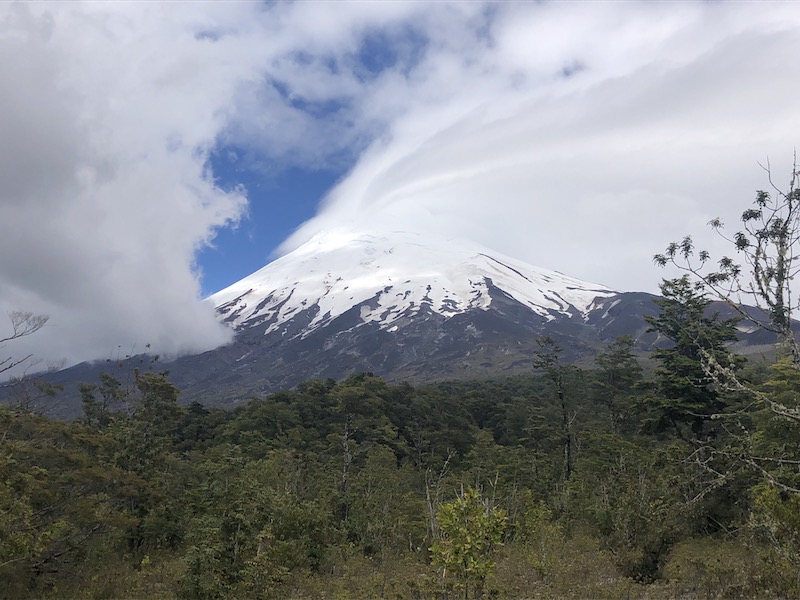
(433, 495)
(23, 324)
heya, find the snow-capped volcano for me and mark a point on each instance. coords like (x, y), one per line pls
(404, 306)
(391, 277)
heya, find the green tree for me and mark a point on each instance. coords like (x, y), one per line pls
(768, 244)
(471, 532)
(641, 512)
(616, 379)
(98, 412)
(767, 248)
(776, 520)
(773, 450)
(60, 501)
(689, 395)
(547, 359)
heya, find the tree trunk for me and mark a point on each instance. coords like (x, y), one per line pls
(566, 429)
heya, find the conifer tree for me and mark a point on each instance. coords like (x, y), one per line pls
(617, 377)
(688, 395)
(768, 244)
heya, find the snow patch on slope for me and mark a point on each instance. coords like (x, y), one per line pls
(391, 276)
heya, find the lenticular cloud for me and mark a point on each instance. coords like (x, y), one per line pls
(584, 138)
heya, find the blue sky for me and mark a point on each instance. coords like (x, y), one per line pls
(284, 193)
(280, 199)
(162, 151)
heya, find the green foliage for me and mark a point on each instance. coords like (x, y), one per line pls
(471, 531)
(56, 502)
(761, 435)
(773, 449)
(547, 359)
(767, 243)
(541, 536)
(616, 383)
(329, 490)
(98, 412)
(714, 568)
(642, 513)
(688, 396)
(776, 520)
(779, 513)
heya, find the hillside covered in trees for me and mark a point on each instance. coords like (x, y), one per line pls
(564, 483)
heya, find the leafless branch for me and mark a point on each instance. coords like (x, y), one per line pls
(22, 324)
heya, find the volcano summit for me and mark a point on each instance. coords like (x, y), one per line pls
(393, 279)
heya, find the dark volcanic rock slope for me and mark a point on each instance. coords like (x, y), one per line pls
(400, 305)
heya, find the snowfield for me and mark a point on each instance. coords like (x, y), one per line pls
(391, 276)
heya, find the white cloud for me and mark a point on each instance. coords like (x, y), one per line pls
(659, 129)
(107, 114)
(578, 136)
